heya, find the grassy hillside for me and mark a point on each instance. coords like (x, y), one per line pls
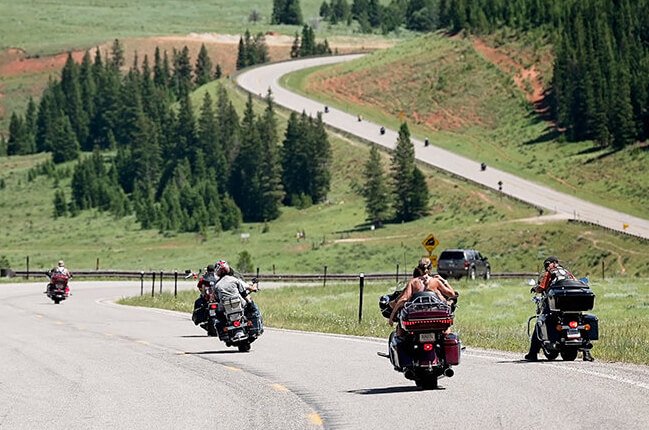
(461, 215)
(449, 92)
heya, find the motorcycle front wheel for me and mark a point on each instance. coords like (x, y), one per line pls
(244, 346)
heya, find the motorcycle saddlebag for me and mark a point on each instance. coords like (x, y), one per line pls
(570, 296)
(452, 347)
(593, 333)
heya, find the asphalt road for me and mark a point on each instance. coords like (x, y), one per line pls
(258, 80)
(89, 363)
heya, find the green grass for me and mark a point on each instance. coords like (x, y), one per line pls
(467, 105)
(44, 27)
(490, 314)
(462, 215)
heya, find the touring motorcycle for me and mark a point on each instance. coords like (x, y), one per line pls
(58, 289)
(560, 322)
(424, 351)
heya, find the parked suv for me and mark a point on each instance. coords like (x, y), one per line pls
(455, 263)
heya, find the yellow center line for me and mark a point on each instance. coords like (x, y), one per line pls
(315, 418)
(279, 387)
(59, 322)
(234, 369)
(39, 316)
(143, 342)
(109, 334)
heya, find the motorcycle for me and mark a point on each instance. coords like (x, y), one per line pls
(57, 288)
(234, 321)
(562, 326)
(425, 352)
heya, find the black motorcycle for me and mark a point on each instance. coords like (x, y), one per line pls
(561, 325)
(425, 351)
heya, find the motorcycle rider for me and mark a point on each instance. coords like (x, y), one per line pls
(422, 281)
(553, 272)
(60, 269)
(205, 285)
(229, 285)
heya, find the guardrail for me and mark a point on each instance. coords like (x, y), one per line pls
(305, 277)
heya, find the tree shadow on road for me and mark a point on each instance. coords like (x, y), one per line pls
(390, 390)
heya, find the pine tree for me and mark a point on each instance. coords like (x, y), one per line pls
(242, 56)
(208, 139)
(203, 68)
(60, 205)
(245, 179)
(402, 168)
(73, 104)
(31, 117)
(229, 137)
(117, 59)
(307, 45)
(286, 12)
(182, 76)
(320, 161)
(17, 142)
(64, 145)
(293, 160)
(375, 189)
(295, 47)
(271, 190)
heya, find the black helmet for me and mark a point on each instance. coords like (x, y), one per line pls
(210, 267)
(549, 260)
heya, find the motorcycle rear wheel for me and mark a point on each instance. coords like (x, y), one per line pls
(569, 354)
(428, 383)
(244, 346)
(56, 301)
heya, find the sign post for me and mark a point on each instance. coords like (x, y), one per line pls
(430, 243)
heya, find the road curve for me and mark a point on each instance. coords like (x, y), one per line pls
(258, 80)
(89, 363)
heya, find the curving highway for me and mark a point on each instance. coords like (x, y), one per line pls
(258, 80)
(91, 364)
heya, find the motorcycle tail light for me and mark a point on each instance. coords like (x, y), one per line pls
(573, 324)
(428, 347)
(249, 323)
(586, 327)
(559, 327)
(236, 323)
(213, 306)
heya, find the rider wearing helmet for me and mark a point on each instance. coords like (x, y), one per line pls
(553, 272)
(58, 269)
(206, 287)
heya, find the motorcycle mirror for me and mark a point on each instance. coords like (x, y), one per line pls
(531, 282)
(584, 280)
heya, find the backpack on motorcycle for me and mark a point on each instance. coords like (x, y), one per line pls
(384, 303)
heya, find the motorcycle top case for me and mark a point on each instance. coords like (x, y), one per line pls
(425, 312)
(570, 296)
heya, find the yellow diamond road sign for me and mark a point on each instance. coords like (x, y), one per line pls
(430, 243)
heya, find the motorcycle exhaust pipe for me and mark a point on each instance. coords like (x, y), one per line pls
(449, 372)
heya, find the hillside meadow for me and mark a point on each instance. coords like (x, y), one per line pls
(336, 234)
(469, 104)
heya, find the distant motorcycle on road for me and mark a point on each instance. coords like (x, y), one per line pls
(57, 288)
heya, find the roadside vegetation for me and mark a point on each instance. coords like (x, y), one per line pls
(490, 314)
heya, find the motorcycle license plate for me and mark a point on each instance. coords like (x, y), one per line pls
(573, 333)
(427, 337)
(212, 312)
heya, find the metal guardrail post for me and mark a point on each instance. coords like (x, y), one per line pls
(361, 285)
(161, 282)
(324, 282)
(141, 283)
(27, 263)
(175, 283)
(397, 273)
(152, 284)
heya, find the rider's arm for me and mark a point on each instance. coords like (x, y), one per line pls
(444, 287)
(543, 283)
(405, 295)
